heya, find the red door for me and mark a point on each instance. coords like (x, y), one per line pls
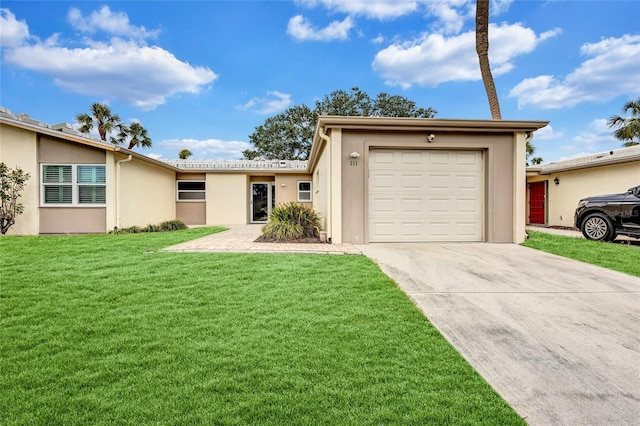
(537, 202)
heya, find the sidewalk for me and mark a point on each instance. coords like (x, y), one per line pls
(241, 239)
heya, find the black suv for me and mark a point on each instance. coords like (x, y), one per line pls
(603, 217)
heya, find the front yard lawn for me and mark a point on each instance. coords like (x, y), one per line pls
(619, 257)
(103, 329)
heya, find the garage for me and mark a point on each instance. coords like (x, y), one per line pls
(426, 195)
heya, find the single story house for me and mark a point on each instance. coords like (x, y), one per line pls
(554, 189)
(372, 179)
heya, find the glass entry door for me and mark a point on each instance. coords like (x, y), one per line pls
(262, 200)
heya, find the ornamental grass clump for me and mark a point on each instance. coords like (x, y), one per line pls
(292, 221)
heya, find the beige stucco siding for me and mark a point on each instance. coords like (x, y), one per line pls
(63, 152)
(287, 188)
(147, 193)
(498, 152)
(321, 187)
(563, 198)
(63, 220)
(72, 220)
(192, 213)
(19, 148)
(228, 198)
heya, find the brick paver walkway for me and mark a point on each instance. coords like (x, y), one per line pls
(241, 239)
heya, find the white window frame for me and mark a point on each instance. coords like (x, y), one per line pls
(309, 191)
(179, 191)
(74, 184)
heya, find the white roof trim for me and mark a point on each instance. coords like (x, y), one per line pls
(616, 156)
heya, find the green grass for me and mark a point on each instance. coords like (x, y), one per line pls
(618, 257)
(103, 329)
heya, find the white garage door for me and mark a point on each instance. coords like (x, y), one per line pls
(425, 195)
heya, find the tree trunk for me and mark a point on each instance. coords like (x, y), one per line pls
(482, 47)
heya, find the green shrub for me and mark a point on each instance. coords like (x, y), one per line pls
(169, 225)
(129, 230)
(151, 228)
(173, 225)
(290, 221)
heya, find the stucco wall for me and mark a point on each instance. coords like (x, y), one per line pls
(147, 193)
(192, 213)
(287, 188)
(68, 220)
(320, 187)
(19, 148)
(563, 198)
(227, 196)
(499, 165)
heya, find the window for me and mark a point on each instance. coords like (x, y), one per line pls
(191, 190)
(73, 185)
(304, 190)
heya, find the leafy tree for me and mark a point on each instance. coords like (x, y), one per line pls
(482, 48)
(531, 160)
(12, 183)
(627, 128)
(286, 136)
(184, 154)
(106, 122)
(101, 118)
(289, 135)
(137, 136)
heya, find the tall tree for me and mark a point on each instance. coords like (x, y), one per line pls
(101, 118)
(482, 48)
(286, 136)
(137, 135)
(12, 183)
(107, 123)
(289, 135)
(627, 128)
(184, 154)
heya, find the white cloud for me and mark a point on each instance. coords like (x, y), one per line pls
(107, 21)
(435, 58)
(275, 102)
(375, 9)
(451, 14)
(208, 148)
(604, 76)
(547, 133)
(300, 28)
(12, 32)
(597, 137)
(125, 70)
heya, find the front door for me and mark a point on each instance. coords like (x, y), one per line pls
(537, 202)
(262, 199)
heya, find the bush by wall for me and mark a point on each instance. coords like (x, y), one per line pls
(292, 221)
(169, 225)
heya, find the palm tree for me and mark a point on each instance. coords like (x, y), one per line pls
(184, 154)
(102, 118)
(138, 135)
(482, 48)
(627, 128)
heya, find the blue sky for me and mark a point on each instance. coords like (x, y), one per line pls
(203, 74)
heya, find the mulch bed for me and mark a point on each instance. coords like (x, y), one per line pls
(303, 240)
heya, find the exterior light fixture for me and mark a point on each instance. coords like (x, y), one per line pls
(354, 154)
(431, 137)
(556, 181)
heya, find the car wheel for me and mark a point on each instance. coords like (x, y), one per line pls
(598, 227)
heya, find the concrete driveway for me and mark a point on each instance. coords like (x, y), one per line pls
(558, 339)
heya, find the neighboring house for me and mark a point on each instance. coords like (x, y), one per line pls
(554, 189)
(372, 179)
(82, 185)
